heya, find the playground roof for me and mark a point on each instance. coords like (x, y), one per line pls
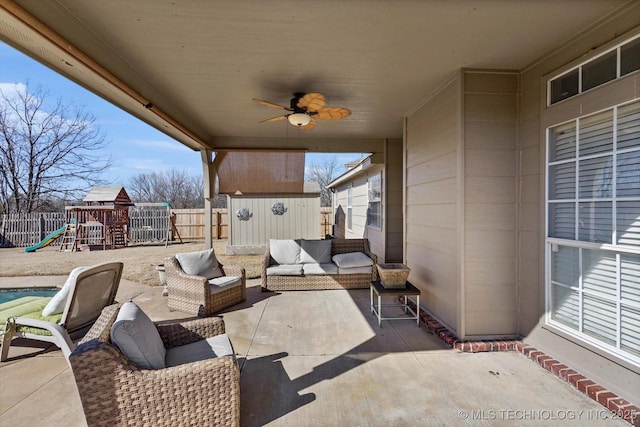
(116, 195)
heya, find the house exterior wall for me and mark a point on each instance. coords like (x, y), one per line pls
(461, 203)
(360, 201)
(392, 199)
(385, 241)
(432, 183)
(301, 220)
(489, 142)
(616, 375)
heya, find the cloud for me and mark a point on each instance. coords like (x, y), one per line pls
(164, 145)
(9, 89)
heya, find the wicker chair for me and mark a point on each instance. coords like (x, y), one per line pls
(87, 293)
(193, 294)
(115, 392)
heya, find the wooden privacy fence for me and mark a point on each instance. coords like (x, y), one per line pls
(27, 229)
(190, 223)
(145, 225)
(326, 221)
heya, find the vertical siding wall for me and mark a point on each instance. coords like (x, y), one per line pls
(490, 138)
(432, 155)
(300, 221)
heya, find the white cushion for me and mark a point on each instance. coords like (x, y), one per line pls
(220, 284)
(285, 270)
(137, 338)
(311, 269)
(352, 259)
(216, 346)
(285, 251)
(355, 270)
(201, 263)
(59, 300)
(315, 251)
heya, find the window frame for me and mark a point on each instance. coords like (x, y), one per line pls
(592, 60)
(373, 179)
(613, 248)
(349, 218)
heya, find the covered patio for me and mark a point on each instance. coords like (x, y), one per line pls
(457, 100)
(335, 368)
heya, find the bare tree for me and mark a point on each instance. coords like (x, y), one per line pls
(45, 150)
(180, 189)
(322, 172)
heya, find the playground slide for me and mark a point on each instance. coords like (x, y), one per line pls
(47, 240)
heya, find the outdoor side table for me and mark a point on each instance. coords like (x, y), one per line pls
(380, 291)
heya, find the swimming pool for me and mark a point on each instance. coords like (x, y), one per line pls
(11, 294)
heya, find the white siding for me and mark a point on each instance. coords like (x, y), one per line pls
(301, 220)
(359, 227)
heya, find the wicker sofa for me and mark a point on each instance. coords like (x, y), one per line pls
(203, 390)
(315, 265)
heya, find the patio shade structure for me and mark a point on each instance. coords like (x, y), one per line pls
(457, 88)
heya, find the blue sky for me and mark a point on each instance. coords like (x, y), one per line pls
(128, 139)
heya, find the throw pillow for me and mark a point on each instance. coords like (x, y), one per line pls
(352, 259)
(59, 300)
(137, 338)
(285, 251)
(201, 263)
(315, 252)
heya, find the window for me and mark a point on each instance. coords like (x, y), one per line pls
(374, 209)
(350, 207)
(616, 62)
(593, 229)
(630, 57)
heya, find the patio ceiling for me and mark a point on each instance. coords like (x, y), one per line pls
(200, 63)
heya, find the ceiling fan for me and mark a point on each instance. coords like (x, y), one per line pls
(305, 109)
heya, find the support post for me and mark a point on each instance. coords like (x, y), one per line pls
(209, 179)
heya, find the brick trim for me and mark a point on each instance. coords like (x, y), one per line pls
(619, 406)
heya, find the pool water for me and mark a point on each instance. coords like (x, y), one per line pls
(11, 294)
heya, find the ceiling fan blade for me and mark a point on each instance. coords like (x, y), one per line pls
(312, 101)
(332, 113)
(274, 119)
(312, 123)
(271, 104)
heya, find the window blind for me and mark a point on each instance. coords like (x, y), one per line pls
(593, 174)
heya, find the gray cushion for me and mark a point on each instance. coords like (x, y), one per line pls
(355, 270)
(352, 259)
(220, 284)
(285, 251)
(201, 263)
(328, 268)
(216, 346)
(137, 338)
(285, 270)
(315, 251)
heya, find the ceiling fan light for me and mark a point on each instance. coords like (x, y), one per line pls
(299, 119)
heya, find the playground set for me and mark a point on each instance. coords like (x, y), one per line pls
(102, 223)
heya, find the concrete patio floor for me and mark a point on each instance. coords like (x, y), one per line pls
(318, 358)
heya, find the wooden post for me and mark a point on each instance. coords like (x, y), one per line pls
(209, 176)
